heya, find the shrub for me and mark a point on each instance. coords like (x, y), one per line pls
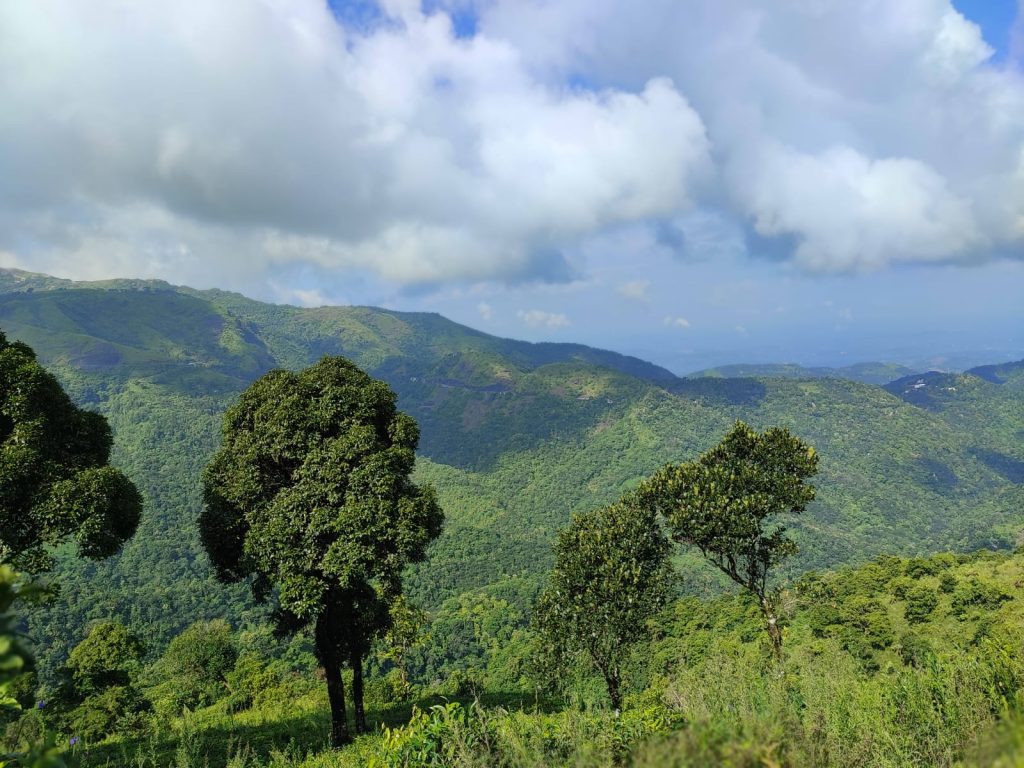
(193, 670)
(975, 594)
(914, 650)
(921, 601)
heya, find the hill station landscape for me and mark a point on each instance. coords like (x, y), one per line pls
(512, 384)
(515, 437)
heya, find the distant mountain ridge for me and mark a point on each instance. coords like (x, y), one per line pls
(866, 373)
(514, 435)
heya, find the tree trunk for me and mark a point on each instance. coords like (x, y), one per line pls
(357, 692)
(339, 714)
(614, 691)
(774, 630)
(326, 651)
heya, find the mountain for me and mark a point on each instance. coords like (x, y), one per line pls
(514, 435)
(867, 373)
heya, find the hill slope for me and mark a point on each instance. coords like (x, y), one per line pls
(515, 436)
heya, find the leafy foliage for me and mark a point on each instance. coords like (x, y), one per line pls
(726, 504)
(310, 493)
(194, 670)
(109, 655)
(54, 478)
(611, 575)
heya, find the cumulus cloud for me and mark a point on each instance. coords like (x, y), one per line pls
(486, 310)
(538, 318)
(403, 151)
(211, 142)
(676, 322)
(847, 136)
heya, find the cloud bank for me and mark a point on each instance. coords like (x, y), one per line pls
(201, 141)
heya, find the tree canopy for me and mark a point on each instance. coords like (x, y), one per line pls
(310, 494)
(612, 573)
(727, 504)
(54, 479)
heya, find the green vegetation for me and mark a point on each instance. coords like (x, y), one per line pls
(896, 660)
(867, 373)
(54, 479)
(310, 495)
(727, 504)
(611, 575)
(860, 685)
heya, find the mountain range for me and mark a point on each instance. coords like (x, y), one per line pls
(515, 436)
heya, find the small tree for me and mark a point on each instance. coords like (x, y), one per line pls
(612, 573)
(726, 504)
(406, 633)
(104, 668)
(54, 478)
(310, 493)
(921, 602)
(109, 655)
(15, 662)
(194, 669)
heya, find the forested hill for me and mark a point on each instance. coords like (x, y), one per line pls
(515, 436)
(868, 373)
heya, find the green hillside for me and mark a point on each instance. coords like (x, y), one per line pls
(897, 663)
(867, 373)
(515, 436)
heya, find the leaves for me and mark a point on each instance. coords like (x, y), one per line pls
(612, 574)
(54, 478)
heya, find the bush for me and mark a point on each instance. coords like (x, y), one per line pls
(977, 594)
(108, 656)
(914, 650)
(901, 586)
(193, 672)
(250, 681)
(921, 601)
(921, 566)
(116, 709)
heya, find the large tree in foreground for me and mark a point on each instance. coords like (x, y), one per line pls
(310, 495)
(612, 573)
(727, 504)
(54, 479)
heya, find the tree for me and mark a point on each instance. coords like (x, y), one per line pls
(54, 479)
(103, 669)
(109, 655)
(921, 601)
(193, 671)
(405, 633)
(310, 495)
(612, 573)
(726, 504)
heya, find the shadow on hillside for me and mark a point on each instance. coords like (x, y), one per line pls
(720, 392)
(214, 744)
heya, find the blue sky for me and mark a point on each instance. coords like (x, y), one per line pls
(996, 19)
(820, 183)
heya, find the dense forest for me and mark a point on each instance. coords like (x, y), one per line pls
(901, 607)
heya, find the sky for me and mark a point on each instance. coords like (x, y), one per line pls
(692, 182)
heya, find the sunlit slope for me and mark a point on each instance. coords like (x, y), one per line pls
(515, 436)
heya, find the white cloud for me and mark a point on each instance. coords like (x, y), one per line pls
(214, 142)
(635, 290)
(538, 318)
(486, 310)
(406, 152)
(852, 135)
(676, 322)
